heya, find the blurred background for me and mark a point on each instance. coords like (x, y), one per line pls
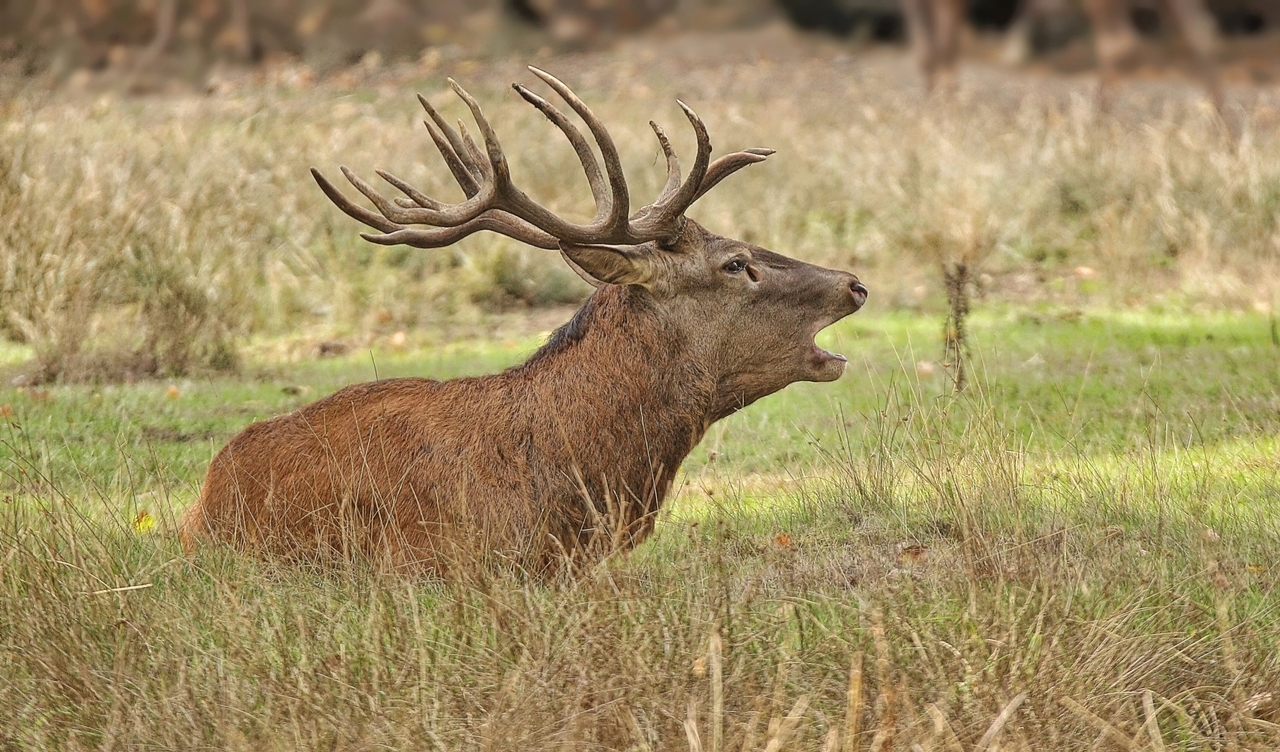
(187, 37)
(1060, 156)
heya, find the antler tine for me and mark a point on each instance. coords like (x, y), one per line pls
(673, 162)
(729, 164)
(476, 156)
(446, 216)
(416, 197)
(495, 220)
(459, 168)
(496, 204)
(456, 149)
(621, 204)
(500, 171)
(590, 166)
(442, 217)
(672, 204)
(457, 165)
(355, 211)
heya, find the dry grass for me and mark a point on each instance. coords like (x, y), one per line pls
(152, 236)
(938, 589)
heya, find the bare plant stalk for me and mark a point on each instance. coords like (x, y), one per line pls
(786, 611)
(749, 739)
(853, 710)
(1117, 736)
(1153, 728)
(886, 703)
(788, 725)
(832, 742)
(942, 728)
(691, 727)
(998, 724)
(633, 723)
(955, 277)
(882, 648)
(715, 658)
(883, 739)
(1223, 614)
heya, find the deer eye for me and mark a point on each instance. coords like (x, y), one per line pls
(736, 266)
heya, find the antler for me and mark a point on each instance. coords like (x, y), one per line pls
(494, 203)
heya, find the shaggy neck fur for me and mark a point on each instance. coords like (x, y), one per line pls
(627, 403)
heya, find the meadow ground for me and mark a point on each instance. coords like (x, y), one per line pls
(1091, 528)
(1078, 552)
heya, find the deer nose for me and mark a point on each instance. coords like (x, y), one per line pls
(859, 292)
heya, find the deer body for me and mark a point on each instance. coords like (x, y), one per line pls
(518, 459)
(570, 454)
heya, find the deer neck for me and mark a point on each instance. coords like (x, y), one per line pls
(627, 395)
(618, 358)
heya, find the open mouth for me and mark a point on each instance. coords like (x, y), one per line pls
(821, 356)
(829, 365)
(824, 363)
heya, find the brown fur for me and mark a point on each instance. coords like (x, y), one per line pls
(571, 453)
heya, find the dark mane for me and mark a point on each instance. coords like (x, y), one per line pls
(568, 335)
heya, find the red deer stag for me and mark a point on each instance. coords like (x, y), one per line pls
(574, 451)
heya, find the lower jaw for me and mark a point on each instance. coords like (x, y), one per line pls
(827, 366)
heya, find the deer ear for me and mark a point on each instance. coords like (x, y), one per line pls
(578, 270)
(603, 264)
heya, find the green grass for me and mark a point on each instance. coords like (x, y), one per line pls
(1091, 384)
(1093, 520)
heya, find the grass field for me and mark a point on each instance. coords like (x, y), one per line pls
(1080, 551)
(1093, 521)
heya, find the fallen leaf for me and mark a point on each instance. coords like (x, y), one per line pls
(700, 666)
(782, 540)
(144, 523)
(173, 392)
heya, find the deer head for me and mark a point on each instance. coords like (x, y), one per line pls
(744, 315)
